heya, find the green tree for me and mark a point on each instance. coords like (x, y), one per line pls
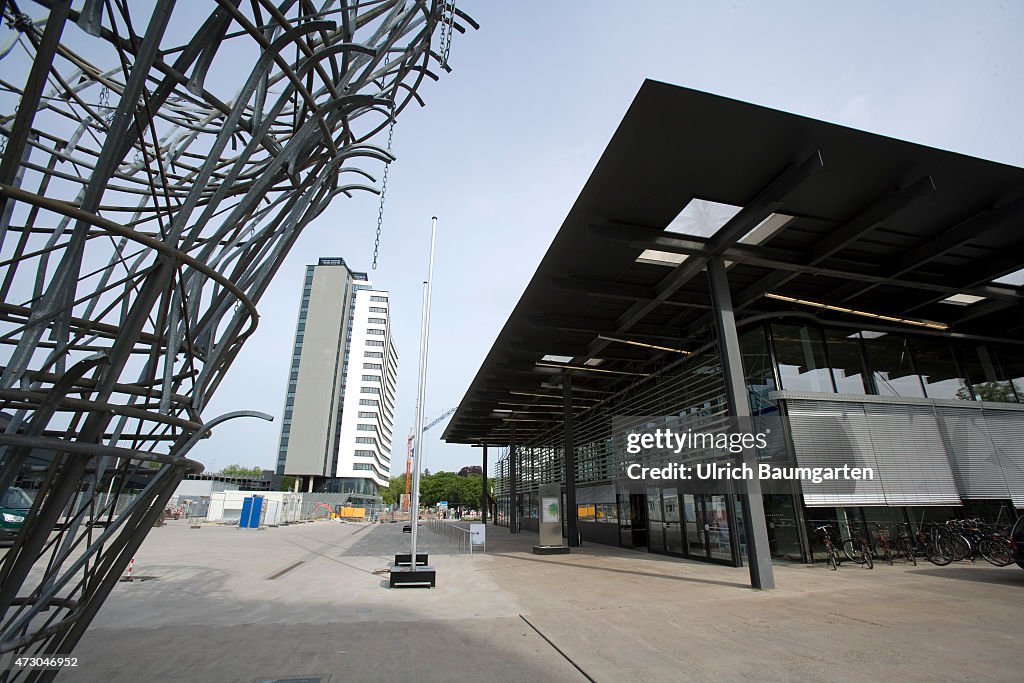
(449, 486)
(439, 486)
(237, 470)
(458, 490)
(996, 392)
(287, 483)
(394, 491)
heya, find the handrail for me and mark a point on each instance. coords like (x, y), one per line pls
(453, 532)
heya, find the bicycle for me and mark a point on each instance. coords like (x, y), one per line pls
(905, 545)
(981, 539)
(996, 549)
(938, 549)
(830, 548)
(858, 548)
(883, 545)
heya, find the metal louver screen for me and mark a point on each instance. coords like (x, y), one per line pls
(912, 460)
(901, 443)
(595, 494)
(1007, 432)
(833, 435)
(975, 453)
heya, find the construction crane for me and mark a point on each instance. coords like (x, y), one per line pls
(410, 449)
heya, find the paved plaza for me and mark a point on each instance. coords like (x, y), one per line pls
(226, 604)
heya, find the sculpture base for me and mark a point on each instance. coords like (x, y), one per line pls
(550, 550)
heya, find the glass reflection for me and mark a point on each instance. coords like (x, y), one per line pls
(673, 528)
(1012, 358)
(844, 354)
(717, 515)
(800, 353)
(891, 367)
(939, 370)
(987, 378)
(758, 373)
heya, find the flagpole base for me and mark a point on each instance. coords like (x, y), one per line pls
(420, 576)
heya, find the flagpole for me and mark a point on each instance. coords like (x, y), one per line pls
(418, 445)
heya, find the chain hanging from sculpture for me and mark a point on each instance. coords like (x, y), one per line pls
(158, 165)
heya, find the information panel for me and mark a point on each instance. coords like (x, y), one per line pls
(550, 514)
(478, 534)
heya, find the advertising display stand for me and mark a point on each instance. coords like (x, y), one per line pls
(550, 521)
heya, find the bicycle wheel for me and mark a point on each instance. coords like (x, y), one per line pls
(852, 551)
(833, 559)
(939, 552)
(995, 552)
(869, 557)
(887, 553)
(961, 548)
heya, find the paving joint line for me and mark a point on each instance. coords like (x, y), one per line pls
(558, 649)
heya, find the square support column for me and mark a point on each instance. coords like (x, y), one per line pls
(483, 494)
(758, 552)
(571, 511)
(513, 484)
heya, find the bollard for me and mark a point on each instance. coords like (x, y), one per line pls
(131, 565)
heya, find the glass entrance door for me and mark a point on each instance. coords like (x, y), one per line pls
(693, 514)
(707, 527)
(673, 521)
(655, 521)
(716, 513)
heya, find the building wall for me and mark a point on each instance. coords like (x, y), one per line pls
(371, 373)
(202, 487)
(308, 427)
(939, 420)
(339, 407)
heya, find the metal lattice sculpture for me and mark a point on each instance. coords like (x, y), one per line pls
(144, 208)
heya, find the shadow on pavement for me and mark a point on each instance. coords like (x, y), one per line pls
(1009, 576)
(578, 565)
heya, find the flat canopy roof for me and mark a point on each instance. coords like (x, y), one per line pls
(805, 214)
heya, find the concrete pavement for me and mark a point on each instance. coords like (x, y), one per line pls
(243, 605)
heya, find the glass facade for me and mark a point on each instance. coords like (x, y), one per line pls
(939, 370)
(846, 360)
(892, 369)
(1013, 365)
(758, 371)
(986, 377)
(800, 354)
(706, 523)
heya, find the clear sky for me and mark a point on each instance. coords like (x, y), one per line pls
(508, 139)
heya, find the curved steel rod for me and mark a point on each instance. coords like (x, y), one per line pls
(155, 170)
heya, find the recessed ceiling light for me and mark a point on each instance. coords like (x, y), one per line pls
(632, 342)
(962, 299)
(852, 311)
(557, 359)
(567, 366)
(766, 229)
(660, 258)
